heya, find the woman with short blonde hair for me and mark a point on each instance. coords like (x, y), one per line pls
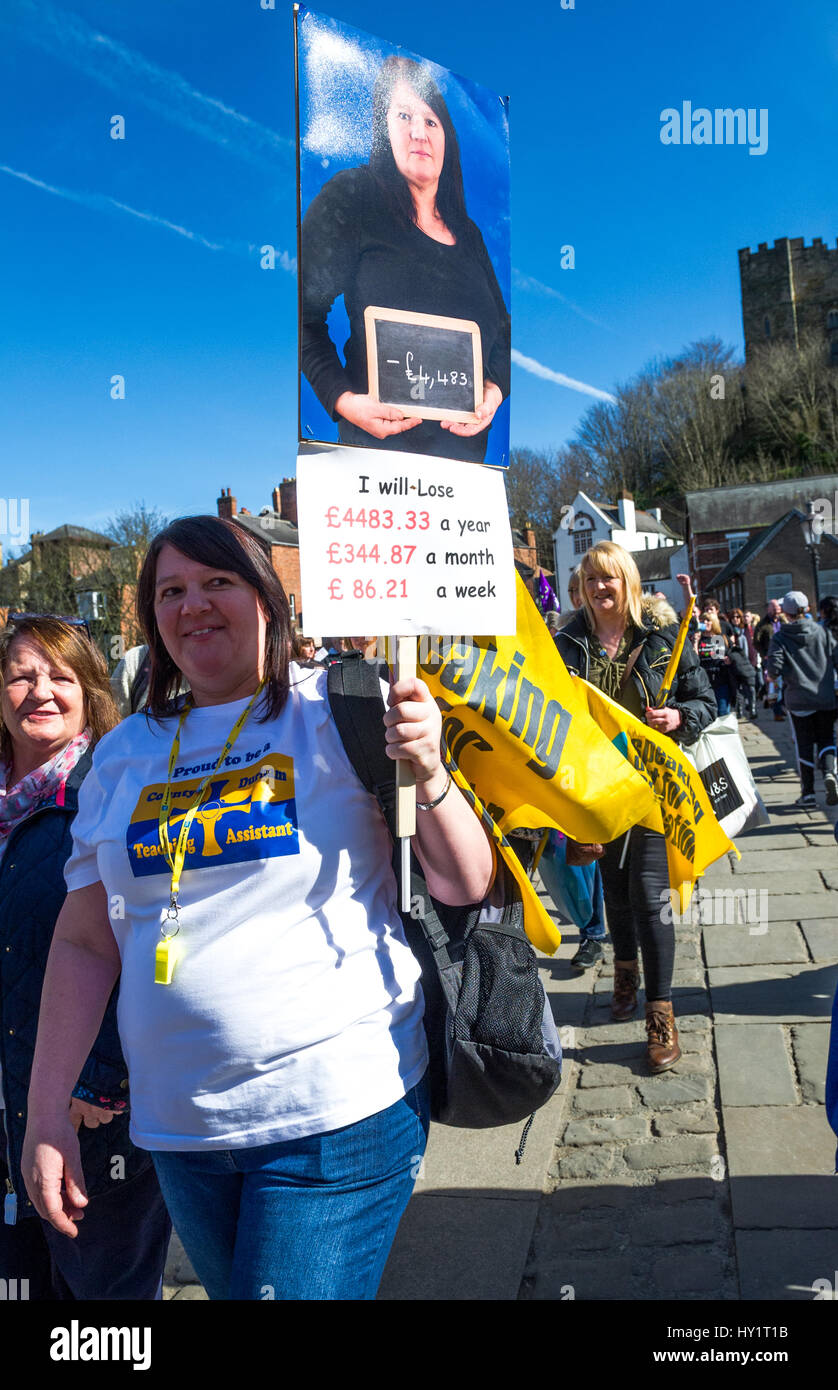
(606, 559)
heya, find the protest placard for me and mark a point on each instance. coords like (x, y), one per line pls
(393, 543)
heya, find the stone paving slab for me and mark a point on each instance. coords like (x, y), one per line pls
(780, 944)
(753, 1064)
(770, 838)
(821, 938)
(821, 836)
(768, 1151)
(793, 907)
(480, 1159)
(454, 1247)
(783, 1265)
(810, 1046)
(772, 994)
(779, 883)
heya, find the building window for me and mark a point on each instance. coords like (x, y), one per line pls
(776, 585)
(767, 328)
(91, 605)
(292, 604)
(828, 582)
(735, 541)
(582, 541)
(832, 319)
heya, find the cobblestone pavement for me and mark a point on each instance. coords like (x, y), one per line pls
(713, 1180)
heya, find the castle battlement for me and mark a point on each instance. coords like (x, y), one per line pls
(785, 245)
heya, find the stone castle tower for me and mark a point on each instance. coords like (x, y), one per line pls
(789, 289)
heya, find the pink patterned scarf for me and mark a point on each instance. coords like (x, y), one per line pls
(37, 787)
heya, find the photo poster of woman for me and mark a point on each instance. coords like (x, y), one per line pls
(403, 208)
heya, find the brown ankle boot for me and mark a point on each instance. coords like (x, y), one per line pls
(626, 983)
(662, 1050)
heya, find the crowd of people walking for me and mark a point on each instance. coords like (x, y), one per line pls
(248, 996)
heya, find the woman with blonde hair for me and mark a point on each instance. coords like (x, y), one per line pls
(617, 644)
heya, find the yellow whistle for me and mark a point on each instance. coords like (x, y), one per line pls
(164, 961)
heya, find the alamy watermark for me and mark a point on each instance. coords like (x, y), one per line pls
(730, 907)
(14, 519)
(724, 125)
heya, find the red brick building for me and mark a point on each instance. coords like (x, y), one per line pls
(763, 522)
(525, 553)
(277, 525)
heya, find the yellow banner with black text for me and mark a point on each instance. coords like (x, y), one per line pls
(526, 749)
(532, 746)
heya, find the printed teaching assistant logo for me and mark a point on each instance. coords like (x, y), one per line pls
(248, 812)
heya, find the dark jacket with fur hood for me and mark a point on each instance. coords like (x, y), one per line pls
(691, 693)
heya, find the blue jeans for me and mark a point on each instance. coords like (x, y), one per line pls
(720, 682)
(594, 930)
(309, 1218)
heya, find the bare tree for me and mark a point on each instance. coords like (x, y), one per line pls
(539, 483)
(699, 411)
(133, 530)
(136, 528)
(792, 396)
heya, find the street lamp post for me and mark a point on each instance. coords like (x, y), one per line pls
(812, 528)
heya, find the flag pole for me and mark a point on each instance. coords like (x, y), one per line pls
(405, 780)
(672, 665)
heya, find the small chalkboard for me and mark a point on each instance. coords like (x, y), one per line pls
(427, 365)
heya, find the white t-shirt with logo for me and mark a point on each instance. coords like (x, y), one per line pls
(295, 1005)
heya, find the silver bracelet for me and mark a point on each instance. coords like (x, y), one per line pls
(429, 805)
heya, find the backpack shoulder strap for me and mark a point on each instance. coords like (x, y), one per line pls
(354, 693)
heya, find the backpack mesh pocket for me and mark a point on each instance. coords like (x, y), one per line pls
(501, 1003)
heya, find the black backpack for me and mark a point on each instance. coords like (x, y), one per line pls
(494, 1049)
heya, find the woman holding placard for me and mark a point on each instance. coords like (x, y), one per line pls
(270, 1008)
(395, 233)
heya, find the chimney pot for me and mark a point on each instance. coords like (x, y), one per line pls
(226, 504)
(288, 500)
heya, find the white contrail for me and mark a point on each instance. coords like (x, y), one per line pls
(529, 364)
(67, 37)
(100, 202)
(528, 282)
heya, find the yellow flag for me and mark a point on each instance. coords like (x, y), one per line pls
(682, 812)
(525, 748)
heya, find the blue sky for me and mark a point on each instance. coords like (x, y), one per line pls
(140, 256)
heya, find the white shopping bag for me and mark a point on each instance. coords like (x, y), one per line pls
(720, 759)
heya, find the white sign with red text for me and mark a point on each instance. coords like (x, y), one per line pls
(403, 544)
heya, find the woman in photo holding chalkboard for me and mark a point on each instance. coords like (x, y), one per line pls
(395, 233)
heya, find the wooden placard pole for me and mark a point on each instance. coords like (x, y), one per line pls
(405, 781)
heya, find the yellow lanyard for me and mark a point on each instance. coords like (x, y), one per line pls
(165, 955)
